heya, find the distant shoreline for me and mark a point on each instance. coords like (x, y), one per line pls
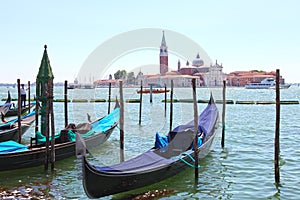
(62, 84)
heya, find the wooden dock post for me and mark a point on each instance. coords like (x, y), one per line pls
(121, 123)
(171, 106)
(109, 97)
(52, 128)
(66, 103)
(37, 106)
(19, 112)
(195, 130)
(277, 129)
(223, 114)
(151, 90)
(165, 100)
(141, 99)
(29, 97)
(47, 134)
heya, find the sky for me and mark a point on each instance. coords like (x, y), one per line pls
(242, 35)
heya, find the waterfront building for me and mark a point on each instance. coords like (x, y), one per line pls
(242, 78)
(205, 76)
(215, 76)
(178, 80)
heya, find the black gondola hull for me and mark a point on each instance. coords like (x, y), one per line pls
(36, 156)
(13, 133)
(154, 165)
(14, 112)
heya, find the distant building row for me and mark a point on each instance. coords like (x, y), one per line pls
(182, 77)
(211, 76)
(242, 78)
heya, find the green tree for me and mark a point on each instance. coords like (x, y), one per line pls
(120, 74)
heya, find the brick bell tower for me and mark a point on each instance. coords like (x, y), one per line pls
(163, 56)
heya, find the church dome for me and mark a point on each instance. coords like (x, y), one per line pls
(197, 62)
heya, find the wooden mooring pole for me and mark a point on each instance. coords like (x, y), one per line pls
(29, 97)
(141, 99)
(151, 91)
(165, 100)
(195, 130)
(171, 106)
(109, 97)
(66, 103)
(121, 123)
(223, 114)
(47, 134)
(37, 106)
(277, 129)
(52, 126)
(19, 112)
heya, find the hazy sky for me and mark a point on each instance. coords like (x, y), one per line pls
(242, 35)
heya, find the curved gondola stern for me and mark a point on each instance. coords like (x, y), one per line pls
(81, 151)
(6, 106)
(91, 181)
(84, 180)
(85, 166)
(8, 97)
(211, 99)
(80, 145)
(117, 105)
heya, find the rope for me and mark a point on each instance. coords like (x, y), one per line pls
(187, 163)
(225, 127)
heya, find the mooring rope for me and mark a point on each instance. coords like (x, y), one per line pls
(225, 127)
(187, 163)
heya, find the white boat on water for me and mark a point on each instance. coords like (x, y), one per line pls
(267, 83)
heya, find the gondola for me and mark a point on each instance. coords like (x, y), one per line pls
(6, 106)
(10, 131)
(14, 111)
(156, 164)
(16, 156)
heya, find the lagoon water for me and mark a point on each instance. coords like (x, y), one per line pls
(244, 169)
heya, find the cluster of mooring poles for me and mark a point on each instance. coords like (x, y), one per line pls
(44, 98)
(277, 126)
(277, 130)
(44, 106)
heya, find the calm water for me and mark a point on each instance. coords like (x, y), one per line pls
(244, 169)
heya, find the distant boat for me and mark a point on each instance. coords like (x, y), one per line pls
(154, 91)
(80, 86)
(267, 83)
(285, 86)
